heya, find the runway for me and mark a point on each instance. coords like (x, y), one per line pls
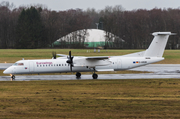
(158, 71)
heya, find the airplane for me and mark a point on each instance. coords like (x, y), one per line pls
(69, 63)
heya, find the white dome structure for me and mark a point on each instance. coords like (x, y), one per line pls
(95, 35)
(90, 37)
(95, 38)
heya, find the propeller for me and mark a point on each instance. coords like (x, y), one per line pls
(54, 55)
(70, 60)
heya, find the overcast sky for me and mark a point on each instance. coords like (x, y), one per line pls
(61, 5)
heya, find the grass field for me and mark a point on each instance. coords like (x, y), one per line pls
(142, 98)
(147, 98)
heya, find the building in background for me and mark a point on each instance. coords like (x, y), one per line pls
(90, 38)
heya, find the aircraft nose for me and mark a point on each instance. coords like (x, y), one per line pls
(7, 71)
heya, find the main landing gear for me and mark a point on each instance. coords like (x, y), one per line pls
(94, 75)
(78, 75)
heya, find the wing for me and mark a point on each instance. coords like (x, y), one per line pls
(92, 62)
(61, 55)
(65, 56)
(97, 58)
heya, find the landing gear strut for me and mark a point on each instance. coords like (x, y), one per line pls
(78, 75)
(95, 76)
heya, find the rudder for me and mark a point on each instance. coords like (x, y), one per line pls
(157, 46)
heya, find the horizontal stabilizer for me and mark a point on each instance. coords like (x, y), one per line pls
(163, 33)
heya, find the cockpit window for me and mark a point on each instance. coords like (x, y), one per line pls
(18, 64)
(14, 64)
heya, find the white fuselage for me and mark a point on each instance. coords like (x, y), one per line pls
(59, 65)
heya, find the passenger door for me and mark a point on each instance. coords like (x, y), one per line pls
(31, 66)
(119, 63)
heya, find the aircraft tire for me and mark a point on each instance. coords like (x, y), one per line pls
(78, 75)
(95, 76)
(13, 77)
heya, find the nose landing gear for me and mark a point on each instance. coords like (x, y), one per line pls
(12, 77)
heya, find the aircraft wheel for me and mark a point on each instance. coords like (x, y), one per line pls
(78, 75)
(95, 76)
(13, 77)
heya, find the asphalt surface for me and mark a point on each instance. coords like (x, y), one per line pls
(158, 71)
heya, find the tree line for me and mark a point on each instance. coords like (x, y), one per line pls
(38, 27)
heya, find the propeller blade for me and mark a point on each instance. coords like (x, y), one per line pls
(54, 55)
(70, 54)
(70, 60)
(71, 68)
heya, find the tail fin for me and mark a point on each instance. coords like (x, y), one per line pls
(157, 46)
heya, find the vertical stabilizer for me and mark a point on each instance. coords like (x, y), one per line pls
(157, 46)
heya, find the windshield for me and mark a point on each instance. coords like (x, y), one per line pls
(18, 64)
